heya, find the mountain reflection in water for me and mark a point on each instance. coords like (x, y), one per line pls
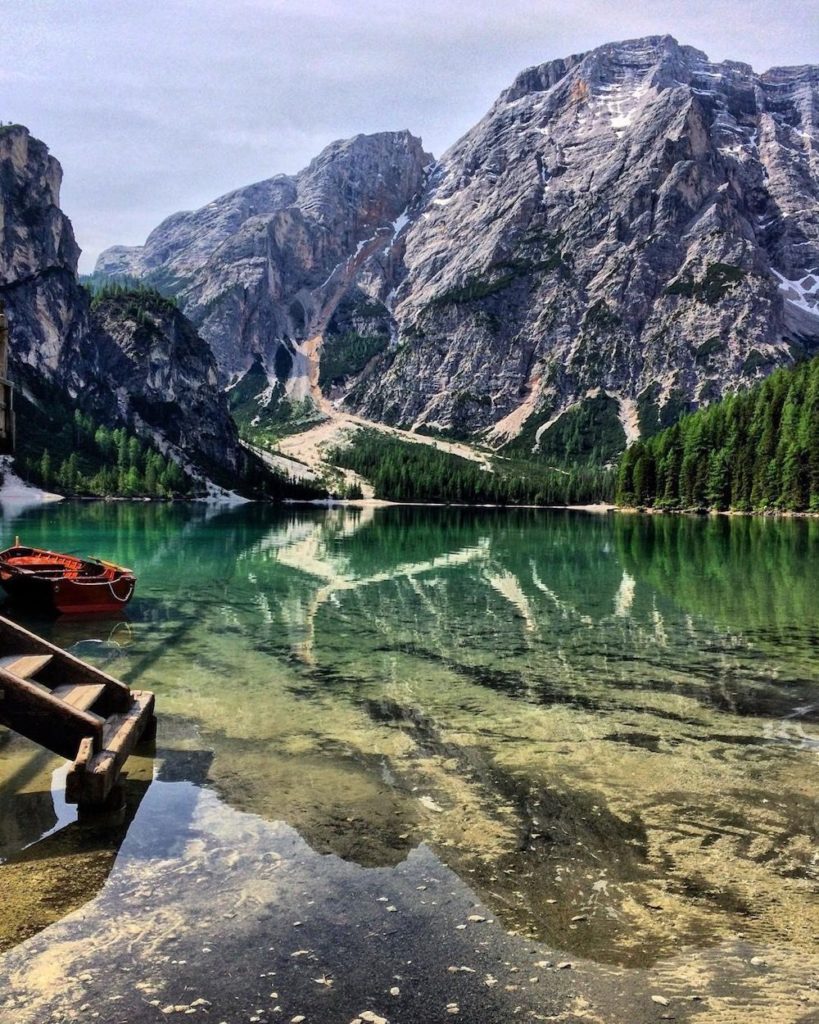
(604, 726)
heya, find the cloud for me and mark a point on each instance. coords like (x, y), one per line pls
(162, 105)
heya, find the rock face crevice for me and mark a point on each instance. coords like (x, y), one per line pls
(146, 368)
(635, 224)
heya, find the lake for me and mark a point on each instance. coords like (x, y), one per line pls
(428, 764)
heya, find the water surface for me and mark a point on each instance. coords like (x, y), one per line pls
(596, 736)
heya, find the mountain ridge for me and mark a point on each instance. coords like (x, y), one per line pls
(629, 233)
(279, 242)
(493, 266)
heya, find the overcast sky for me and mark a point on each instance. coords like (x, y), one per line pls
(153, 106)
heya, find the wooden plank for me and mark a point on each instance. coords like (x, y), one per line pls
(35, 712)
(82, 696)
(64, 667)
(122, 732)
(24, 665)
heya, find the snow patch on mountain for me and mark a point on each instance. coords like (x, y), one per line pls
(16, 494)
(801, 302)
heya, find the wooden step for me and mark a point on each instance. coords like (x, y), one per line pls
(60, 719)
(24, 666)
(82, 695)
(30, 708)
(64, 667)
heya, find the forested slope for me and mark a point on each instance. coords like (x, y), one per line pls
(413, 472)
(754, 451)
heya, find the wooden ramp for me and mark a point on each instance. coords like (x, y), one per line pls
(73, 709)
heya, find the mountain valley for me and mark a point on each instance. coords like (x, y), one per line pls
(628, 235)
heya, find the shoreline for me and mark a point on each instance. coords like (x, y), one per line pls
(767, 513)
(598, 508)
(35, 497)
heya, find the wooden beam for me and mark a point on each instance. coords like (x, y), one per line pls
(90, 780)
(86, 752)
(33, 711)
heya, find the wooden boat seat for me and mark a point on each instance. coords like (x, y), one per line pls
(24, 666)
(82, 695)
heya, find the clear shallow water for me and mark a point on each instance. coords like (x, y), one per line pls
(600, 734)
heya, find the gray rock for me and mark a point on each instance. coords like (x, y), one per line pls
(634, 229)
(155, 372)
(625, 220)
(263, 267)
(152, 373)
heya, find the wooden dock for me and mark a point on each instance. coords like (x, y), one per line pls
(72, 709)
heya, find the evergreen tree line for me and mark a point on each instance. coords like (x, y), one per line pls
(403, 471)
(136, 300)
(97, 283)
(753, 451)
(103, 463)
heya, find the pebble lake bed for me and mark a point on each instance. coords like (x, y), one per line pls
(419, 764)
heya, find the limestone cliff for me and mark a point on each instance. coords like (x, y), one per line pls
(636, 228)
(627, 234)
(144, 363)
(128, 361)
(260, 270)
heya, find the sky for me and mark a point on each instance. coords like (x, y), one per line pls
(154, 106)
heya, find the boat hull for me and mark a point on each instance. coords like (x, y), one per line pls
(53, 583)
(65, 597)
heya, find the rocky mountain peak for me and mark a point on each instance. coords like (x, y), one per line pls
(633, 229)
(259, 269)
(376, 174)
(656, 59)
(628, 233)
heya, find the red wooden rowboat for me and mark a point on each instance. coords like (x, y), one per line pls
(52, 582)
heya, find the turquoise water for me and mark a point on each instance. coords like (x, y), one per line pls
(600, 731)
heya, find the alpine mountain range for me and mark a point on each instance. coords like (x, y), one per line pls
(629, 233)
